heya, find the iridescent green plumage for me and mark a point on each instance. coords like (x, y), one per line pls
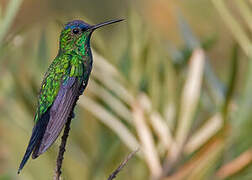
(74, 59)
(65, 80)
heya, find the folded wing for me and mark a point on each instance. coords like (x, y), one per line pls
(59, 112)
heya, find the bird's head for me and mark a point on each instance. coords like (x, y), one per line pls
(77, 33)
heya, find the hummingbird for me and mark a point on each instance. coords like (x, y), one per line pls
(63, 83)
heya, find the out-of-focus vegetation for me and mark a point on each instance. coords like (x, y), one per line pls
(174, 79)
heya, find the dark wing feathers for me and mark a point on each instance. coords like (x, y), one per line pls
(59, 112)
(49, 126)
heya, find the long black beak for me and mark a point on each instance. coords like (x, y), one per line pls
(105, 23)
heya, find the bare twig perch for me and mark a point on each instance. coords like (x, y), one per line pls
(115, 172)
(62, 150)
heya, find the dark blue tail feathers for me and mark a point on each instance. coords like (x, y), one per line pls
(37, 134)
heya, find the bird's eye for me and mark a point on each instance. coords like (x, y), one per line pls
(76, 30)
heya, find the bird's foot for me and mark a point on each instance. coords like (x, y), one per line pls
(72, 115)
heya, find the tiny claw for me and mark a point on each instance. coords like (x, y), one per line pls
(72, 115)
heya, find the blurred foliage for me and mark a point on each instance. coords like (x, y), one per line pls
(174, 80)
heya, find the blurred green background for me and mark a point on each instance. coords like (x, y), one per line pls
(173, 79)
